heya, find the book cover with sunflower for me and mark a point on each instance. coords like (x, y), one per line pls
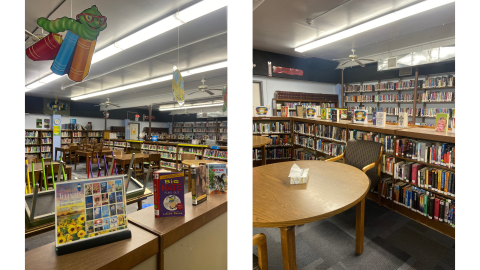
(79, 217)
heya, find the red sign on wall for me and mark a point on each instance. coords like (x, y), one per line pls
(289, 71)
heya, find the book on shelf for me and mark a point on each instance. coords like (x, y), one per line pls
(441, 122)
(360, 116)
(374, 118)
(217, 178)
(381, 119)
(199, 187)
(284, 111)
(334, 115)
(310, 112)
(169, 199)
(403, 119)
(299, 109)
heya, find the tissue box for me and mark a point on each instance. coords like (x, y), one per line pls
(303, 179)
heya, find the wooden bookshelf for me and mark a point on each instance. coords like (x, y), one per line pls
(412, 132)
(217, 127)
(40, 141)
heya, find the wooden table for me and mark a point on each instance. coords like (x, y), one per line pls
(62, 149)
(124, 159)
(86, 153)
(39, 172)
(204, 223)
(140, 251)
(331, 189)
(260, 142)
(29, 232)
(196, 162)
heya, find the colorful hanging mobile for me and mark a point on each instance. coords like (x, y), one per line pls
(178, 87)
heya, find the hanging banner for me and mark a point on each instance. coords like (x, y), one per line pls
(224, 93)
(73, 53)
(177, 87)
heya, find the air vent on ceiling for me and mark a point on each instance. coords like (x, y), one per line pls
(392, 62)
(405, 71)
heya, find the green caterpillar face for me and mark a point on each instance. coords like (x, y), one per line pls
(92, 19)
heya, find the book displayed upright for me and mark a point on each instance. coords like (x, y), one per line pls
(300, 111)
(169, 199)
(284, 111)
(260, 111)
(217, 178)
(441, 123)
(403, 119)
(310, 112)
(374, 118)
(381, 119)
(360, 116)
(334, 115)
(199, 187)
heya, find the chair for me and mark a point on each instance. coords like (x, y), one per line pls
(366, 156)
(186, 169)
(138, 171)
(153, 159)
(72, 154)
(260, 262)
(48, 174)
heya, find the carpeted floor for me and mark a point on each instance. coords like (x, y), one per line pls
(49, 237)
(392, 241)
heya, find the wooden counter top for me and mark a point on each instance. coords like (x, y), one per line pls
(123, 254)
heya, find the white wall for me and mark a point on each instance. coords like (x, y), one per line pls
(270, 85)
(31, 120)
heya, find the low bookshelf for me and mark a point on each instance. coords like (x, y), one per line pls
(39, 142)
(291, 99)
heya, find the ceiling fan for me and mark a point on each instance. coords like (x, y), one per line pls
(106, 103)
(353, 58)
(204, 88)
(184, 113)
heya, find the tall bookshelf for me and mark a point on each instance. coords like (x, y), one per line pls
(403, 94)
(291, 99)
(202, 130)
(39, 142)
(388, 136)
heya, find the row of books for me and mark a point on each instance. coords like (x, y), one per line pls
(188, 125)
(46, 134)
(439, 180)
(332, 133)
(177, 124)
(95, 134)
(31, 134)
(78, 134)
(436, 96)
(381, 98)
(72, 127)
(386, 140)
(222, 130)
(425, 203)
(432, 112)
(304, 141)
(437, 153)
(279, 140)
(66, 140)
(37, 149)
(31, 141)
(46, 140)
(267, 128)
(191, 150)
(46, 155)
(304, 128)
(301, 154)
(171, 165)
(271, 154)
(76, 140)
(212, 153)
(168, 155)
(167, 148)
(329, 148)
(224, 124)
(65, 134)
(121, 144)
(444, 81)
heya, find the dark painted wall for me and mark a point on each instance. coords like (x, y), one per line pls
(370, 73)
(314, 69)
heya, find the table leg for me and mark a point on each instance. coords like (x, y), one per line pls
(139, 205)
(360, 227)
(288, 248)
(264, 156)
(189, 180)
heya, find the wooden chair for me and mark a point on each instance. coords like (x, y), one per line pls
(260, 262)
(366, 156)
(72, 155)
(48, 174)
(138, 167)
(153, 159)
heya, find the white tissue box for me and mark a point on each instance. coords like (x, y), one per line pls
(300, 179)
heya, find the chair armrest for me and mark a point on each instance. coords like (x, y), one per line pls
(335, 158)
(369, 166)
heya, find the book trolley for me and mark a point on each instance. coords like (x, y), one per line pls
(309, 141)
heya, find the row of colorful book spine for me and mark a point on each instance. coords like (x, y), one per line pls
(329, 148)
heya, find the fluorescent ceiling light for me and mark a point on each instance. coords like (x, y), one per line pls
(189, 107)
(191, 13)
(156, 80)
(386, 19)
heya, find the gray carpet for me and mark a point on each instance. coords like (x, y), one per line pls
(392, 241)
(49, 237)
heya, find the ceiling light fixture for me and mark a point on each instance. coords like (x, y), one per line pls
(383, 20)
(156, 80)
(190, 107)
(186, 15)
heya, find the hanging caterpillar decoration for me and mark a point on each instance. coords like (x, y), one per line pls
(87, 25)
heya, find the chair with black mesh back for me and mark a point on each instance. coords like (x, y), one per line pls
(260, 262)
(366, 156)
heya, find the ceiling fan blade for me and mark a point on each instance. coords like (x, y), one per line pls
(215, 89)
(344, 63)
(366, 59)
(193, 93)
(210, 93)
(360, 63)
(340, 59)
(116, 105)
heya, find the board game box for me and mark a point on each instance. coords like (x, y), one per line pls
(169, 199)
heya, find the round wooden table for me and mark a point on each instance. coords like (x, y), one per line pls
(260, 142)
(331, 189)
(196, 162)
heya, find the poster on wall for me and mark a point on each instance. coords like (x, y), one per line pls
(46, 123)
(71, 54)
(178, 87)
(39, 123)
(56, 106)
